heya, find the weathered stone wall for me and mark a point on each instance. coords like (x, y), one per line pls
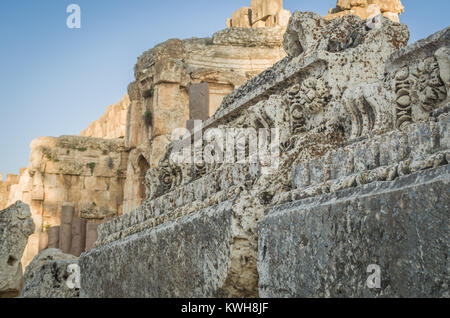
(195, 261)
(85, 173)
(261, 14)
(366, 9)
(112, 124)
(345, 128)
(5, 188)
(163, 95)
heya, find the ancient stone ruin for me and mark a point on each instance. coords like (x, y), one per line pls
(261, 14)
(5, 188)
(362, 179)
(366, 9)
(101, 173)
(350, 167)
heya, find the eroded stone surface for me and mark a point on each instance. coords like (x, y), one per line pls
(87, 173)
(189, 257)
(322, 247)
(355, 112)
(16, 225)
(47, 275)
(302, 96)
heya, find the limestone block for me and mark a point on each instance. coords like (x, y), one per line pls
(16, 225)
(38, 187)
(259, 24)
(112, 124)
(31, 249)
(208, 231)
(262, 9)
(229, 23)
(241, 18)
(43, 241)
(323, 247)
(172, 110)
(216, 94)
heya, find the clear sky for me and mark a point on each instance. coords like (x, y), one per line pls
(55, 81)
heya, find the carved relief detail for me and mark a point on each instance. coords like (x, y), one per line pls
(166, 177)
(305, 100)
(402, 88)
(429, 86)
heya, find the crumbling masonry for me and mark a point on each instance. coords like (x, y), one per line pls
(363, 179)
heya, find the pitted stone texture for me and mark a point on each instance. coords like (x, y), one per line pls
(307, 32)
(267, 37)
(186, 258)
(321, 247)
(415, 145)
(419, 78)
(16, 225)
(47, 274)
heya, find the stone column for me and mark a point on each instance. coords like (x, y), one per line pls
(91, 235)
(78, 236)
(65, 233)
(53, 237)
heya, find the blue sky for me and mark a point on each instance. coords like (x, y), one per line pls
(54, 81)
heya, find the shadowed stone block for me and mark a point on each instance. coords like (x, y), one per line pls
(78, 236)
(199, 101)
(164, 275)
(322, 246)
(91, 235)
(53, 237)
